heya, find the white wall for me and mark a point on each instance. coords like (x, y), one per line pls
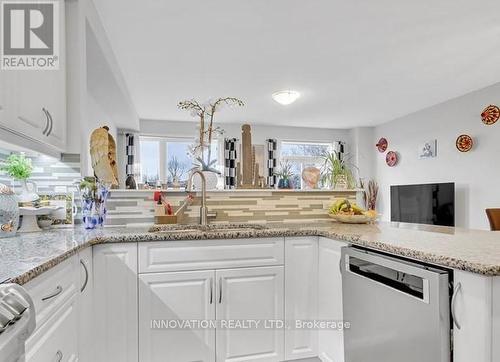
(476, 174)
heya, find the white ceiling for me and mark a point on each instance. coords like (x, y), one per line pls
(356, 63)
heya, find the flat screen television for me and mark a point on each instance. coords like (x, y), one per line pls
(432, 204)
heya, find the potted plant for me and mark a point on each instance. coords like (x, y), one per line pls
(284, 174)
(201, 150)
(337, 172)
(20, 168)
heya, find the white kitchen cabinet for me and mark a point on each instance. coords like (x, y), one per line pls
(250, 294)
(331, 341)
(473, 313)
(301, 296)
(85, 306)
(56, 340)
(115, 302)
(34, 101)
(176, 296)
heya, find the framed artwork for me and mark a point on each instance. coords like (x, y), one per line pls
(427, 149)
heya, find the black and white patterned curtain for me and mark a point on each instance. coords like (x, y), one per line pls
(230, 157)
(130, 182)
(272, 160)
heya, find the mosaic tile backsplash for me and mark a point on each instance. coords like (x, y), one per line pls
(232, 206)
(49, 174)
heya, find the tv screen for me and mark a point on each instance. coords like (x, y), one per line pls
(432, 204)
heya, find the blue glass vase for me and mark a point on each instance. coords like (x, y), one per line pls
(94, 209)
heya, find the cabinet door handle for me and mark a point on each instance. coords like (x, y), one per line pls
(458, 288)
(51, 122)
(211, 290)
(220, 290)
(55, 293)
(340, 265)
(47, 121)
(59, 356)
(86, 276)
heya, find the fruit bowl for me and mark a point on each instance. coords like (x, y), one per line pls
(353, 219)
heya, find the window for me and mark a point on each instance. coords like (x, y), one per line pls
(150, 161)
(301, 155)
(167, 160)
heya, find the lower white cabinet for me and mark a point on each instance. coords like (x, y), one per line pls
(250, 294)
(176, 297)
(331, 342)
(301, 296)
(472, 308)
(115, 302)
(85, 306)
(56, 340)
(218, 297)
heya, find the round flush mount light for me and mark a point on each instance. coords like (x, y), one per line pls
(286, 97)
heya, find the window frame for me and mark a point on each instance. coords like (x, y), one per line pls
(163, 157)
(303, 159)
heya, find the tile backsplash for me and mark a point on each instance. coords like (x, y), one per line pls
(231, 206)
(49, 174)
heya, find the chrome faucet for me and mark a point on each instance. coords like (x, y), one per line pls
(203, 207)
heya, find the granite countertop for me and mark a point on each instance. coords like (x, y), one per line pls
(25, 256)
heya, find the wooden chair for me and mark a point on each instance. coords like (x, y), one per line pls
(494, 218)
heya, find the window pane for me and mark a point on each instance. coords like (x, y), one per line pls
(304, 149)
(178, 163)
(150, 161)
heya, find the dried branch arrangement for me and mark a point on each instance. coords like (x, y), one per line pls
(370, 194)
(206, 129)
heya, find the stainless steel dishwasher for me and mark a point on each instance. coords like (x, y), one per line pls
(398, 310)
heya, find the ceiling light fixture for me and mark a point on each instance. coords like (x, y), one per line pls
(286, 97)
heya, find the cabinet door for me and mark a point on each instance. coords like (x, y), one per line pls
(331, 342)
(37, 98)
(254, 294)
(86, 325)
(301, 296)
(115, 301)
(57, 339)
(176, 297)
(473, 313)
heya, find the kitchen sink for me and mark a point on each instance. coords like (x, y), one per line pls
(205, 228)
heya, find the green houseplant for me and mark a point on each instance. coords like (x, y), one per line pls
(284, 174)
(20, 168)
(337, 172)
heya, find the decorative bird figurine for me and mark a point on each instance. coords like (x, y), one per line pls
(103, 156)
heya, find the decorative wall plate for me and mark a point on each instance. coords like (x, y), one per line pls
(382, 145)
(464, 143)
(490, 115)
(391, 159)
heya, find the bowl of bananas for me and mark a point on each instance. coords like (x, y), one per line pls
(348, 212)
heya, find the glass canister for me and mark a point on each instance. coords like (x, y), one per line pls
(9, 212)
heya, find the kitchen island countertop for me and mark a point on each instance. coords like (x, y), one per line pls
(26, 256)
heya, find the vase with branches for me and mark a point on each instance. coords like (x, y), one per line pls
(284, 174)
(370, 194)
(337, 171)
(201, 150)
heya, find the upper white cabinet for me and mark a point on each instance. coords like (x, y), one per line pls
(33, 102)
(176, 297)
(115, 302)
(301, 296)
(250, 294)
